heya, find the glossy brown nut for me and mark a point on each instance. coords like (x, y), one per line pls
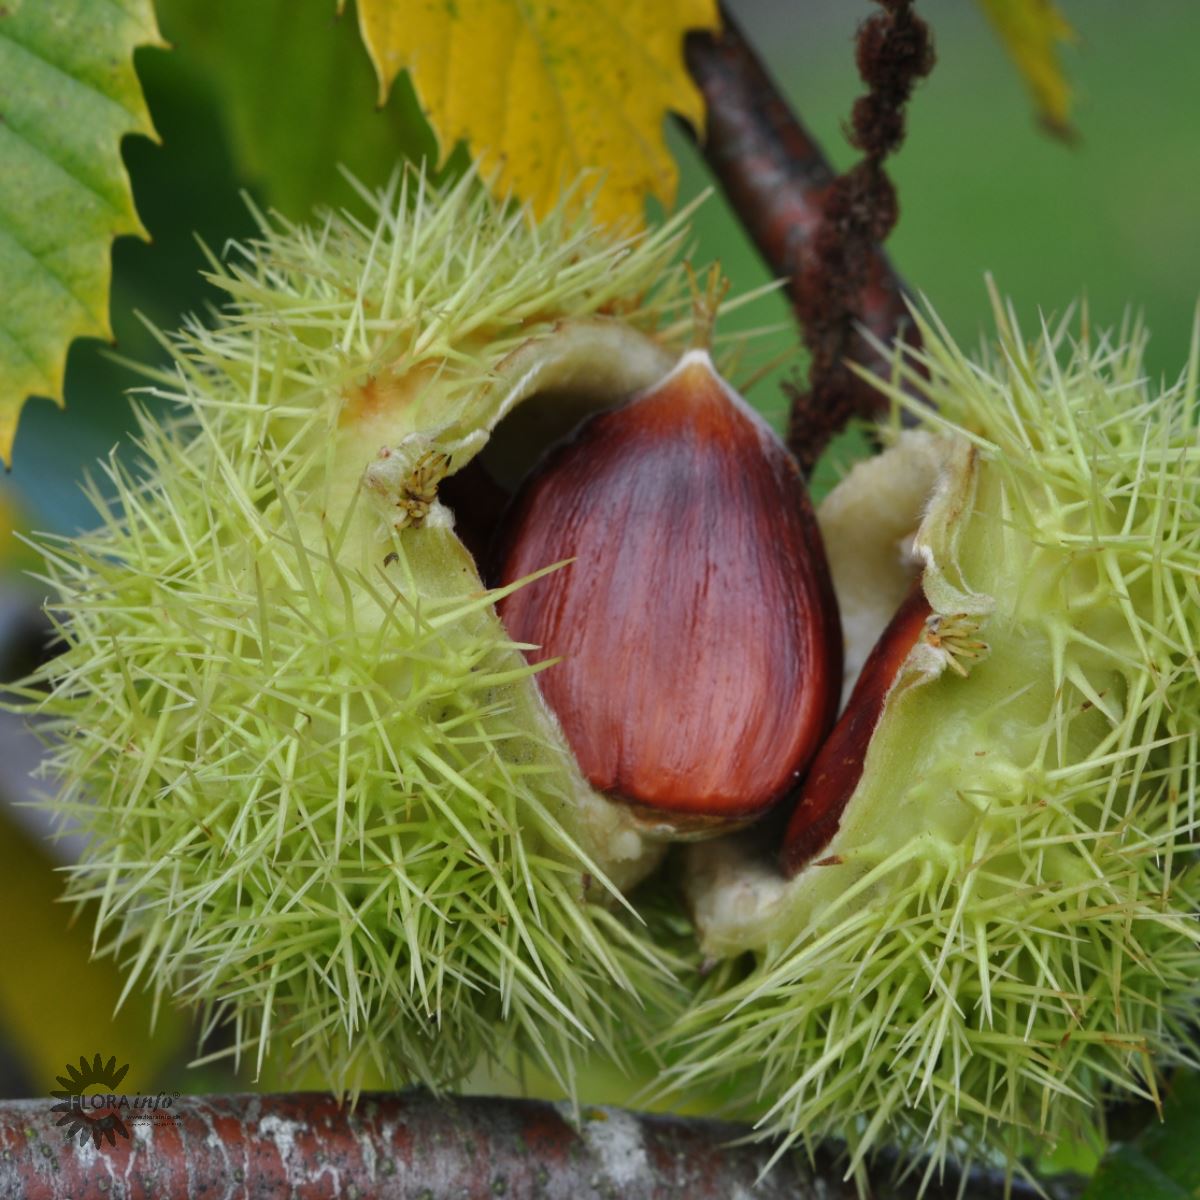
(697, 625)
(838, 766)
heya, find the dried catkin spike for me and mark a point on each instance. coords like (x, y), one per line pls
(695, 621)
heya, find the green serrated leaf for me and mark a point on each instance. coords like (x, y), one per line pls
(68, 95)
(1163, 1162)
(1125, 1174)
(1173, 1144)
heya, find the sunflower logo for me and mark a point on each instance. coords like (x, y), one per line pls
(89, 1113)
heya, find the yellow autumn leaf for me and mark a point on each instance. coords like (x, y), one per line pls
(56, 1000)
(542, 89)
(1032, 32)
(16, 556)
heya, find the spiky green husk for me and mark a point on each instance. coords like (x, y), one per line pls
(1003, 932)
(324, 799)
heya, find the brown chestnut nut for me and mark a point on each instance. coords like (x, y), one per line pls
(696, 623)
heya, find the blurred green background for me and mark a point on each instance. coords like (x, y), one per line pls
(268, 97)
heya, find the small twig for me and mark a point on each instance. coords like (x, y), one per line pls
(801, 216)
(411, 1145)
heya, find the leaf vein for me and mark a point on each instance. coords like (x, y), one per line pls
(138, 118)
(6, 231)
(48, 157)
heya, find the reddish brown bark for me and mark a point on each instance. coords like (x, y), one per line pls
(410, 1146)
